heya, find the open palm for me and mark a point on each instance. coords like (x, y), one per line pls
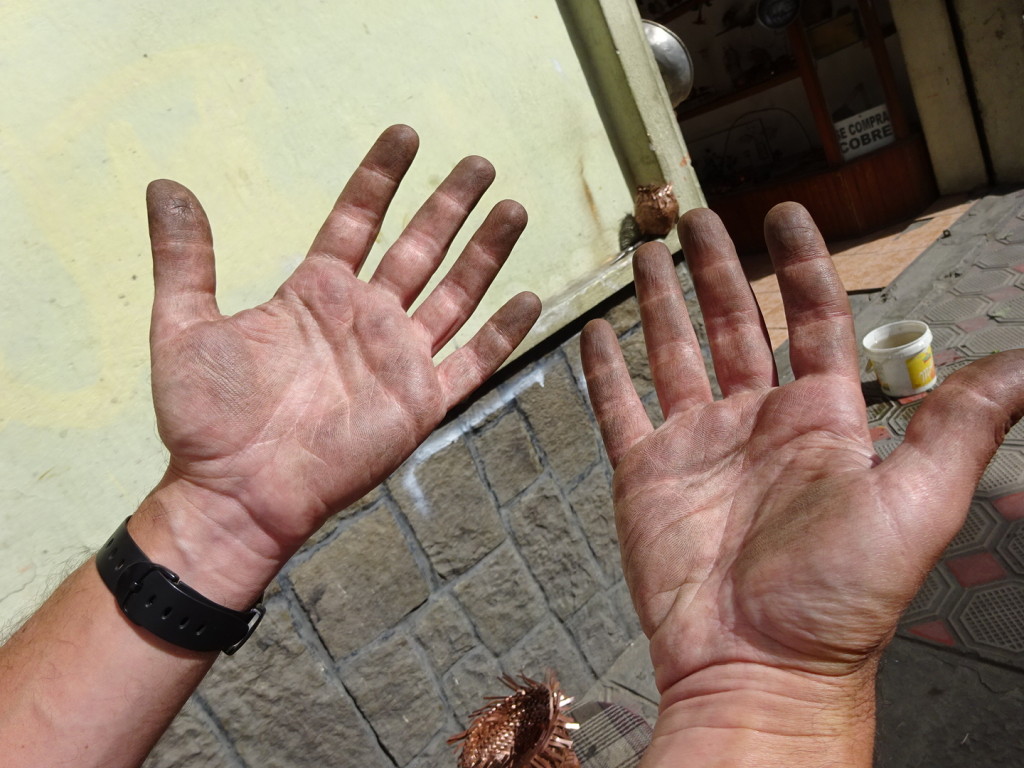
(761, 529)
(299, 406)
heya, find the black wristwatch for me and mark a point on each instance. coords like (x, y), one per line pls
(154, 598)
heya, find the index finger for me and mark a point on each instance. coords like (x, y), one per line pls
(818, 317)
(353, 223)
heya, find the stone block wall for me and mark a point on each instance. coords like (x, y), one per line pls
(491, 550)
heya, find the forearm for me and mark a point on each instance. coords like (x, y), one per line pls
(82, 685)
(748, 716)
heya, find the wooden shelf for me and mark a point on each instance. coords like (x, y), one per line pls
(684, 113)
(860, 196)
(679, 10)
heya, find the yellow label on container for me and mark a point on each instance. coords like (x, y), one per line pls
(921, 369)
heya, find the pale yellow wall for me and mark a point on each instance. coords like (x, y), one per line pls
(939, 93)
(993, 32)
(263, 109)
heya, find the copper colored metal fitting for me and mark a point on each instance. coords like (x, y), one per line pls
(656, 209)
(527, 729)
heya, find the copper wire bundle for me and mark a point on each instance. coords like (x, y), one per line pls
(656, 209)
(527, 729)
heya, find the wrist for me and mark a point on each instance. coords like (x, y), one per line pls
(746, 715)
(209, 541)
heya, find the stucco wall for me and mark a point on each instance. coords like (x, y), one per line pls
(940, 93)
(263, 110)
(992, 35)
(993, 32)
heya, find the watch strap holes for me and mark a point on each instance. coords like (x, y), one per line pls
(154, 598)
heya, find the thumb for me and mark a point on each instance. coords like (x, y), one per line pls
(950, 441)
(183, 268)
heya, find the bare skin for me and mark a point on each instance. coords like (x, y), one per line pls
(275, 418)
(769, 552)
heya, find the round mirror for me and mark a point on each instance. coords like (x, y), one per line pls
(673, 61)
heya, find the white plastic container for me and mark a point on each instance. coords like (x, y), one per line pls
(901, 355)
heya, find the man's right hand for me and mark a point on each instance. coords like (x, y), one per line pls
(769, 552)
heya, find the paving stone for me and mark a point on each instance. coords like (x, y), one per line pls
(956, 309)
(997, 254)
(1007, 311)
(485, 408)
(634, 352)
(439, 753)
(993, 339)
(633, 670)
(989, 617)
(973, 714)
(935, 589)
(976, 280)
(189, 743)
(509, 459)
(652, 406)
(470, 681)
(987, 216)
(1012, 232)
(280, 708)
(1003, 473)
(982, 519)
(624, 604)
(1012, 547)
(273, 588)
(396, 692)
(352, 510)
(501, 599)
(449, 508)
(444, 632)
(624, 316)
(591, 500)
(360, 584)
(616, 694)
(697, 320)
(573, 356)
(945, 337)
(561, 423)
(683, 273)
(554, 548)
(549, 646)
(600, 632)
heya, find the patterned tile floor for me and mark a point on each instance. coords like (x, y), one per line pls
(961, 642)
(868, 263)
(973, 600)
(960, 267)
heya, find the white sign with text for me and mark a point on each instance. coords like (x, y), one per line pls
(864, 132)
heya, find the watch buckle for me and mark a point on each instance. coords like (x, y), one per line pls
(256, 614)
(137, 575)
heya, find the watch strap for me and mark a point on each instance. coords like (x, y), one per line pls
(154, 598)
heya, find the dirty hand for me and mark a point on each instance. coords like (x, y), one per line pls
(768, 551)
(281, 415)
